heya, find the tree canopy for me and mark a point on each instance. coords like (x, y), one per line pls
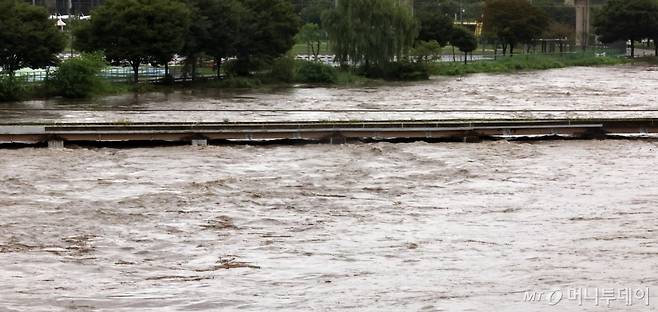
(268, 31)
(136, 31)
(311, 35)
(311, 12)
(631, 20)
(435, 26)
(370, 31)
(215, 29)
(514, 22)
(27, 37)
(464, 40)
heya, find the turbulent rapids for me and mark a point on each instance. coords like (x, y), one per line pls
(352, 227)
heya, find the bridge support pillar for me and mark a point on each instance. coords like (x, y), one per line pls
(199, 142)
(335, 138)
(55, 144)
(594, 134)
(582, 23)
(472, 137)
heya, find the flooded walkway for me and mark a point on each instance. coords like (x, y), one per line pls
(363, 227)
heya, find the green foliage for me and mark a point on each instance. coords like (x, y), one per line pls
(78, 77)
(529, 62)
(427, 51)
(12, 88)
(283, 70)
(462, 9)
(627, 20)
(267, 32)
(397, 71)
(231, 68)
(215, 29)
(311, 12)
(435, 26)
(312, 72)
(27, 37)
(370, 31)
(464, 40)
(312, 36)
(136, 31)
(514, 21)
(240, 82)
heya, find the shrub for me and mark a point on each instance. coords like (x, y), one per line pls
(79, 77)
(397, 71)
(312, 72)
(283, 70)
(12, 88)
(239, 82)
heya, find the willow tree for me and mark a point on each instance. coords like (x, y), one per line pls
(370, 32)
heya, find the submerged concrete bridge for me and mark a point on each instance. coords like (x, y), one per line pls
(55, 135)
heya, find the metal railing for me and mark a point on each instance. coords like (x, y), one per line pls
(113, 74)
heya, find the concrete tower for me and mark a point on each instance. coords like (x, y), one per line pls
(582, 23)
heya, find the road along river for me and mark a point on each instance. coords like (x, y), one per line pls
(356, 227)
(577, 88)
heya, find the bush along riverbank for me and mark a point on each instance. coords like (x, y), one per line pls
(77, 77)
(524, 63)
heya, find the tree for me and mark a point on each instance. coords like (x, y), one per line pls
(427, 51)
(312, 11)
(435, 26)
(27, 37)
(197, 34)
(460, 10)
(370, 31)
(312, 36)
(215, 30)
(631, 20)
(267, 32)
(514, 22)
(136, 31)
(563, 32)
(464, 40)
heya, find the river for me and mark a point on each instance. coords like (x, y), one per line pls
(355, 227)
(576, 88)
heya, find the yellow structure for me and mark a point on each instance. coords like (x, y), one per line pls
(474, 26)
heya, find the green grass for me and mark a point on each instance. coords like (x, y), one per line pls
(523, 63)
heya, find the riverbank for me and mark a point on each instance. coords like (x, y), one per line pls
(328, 76)
(524, 63)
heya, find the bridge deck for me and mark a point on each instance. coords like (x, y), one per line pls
(329, 131)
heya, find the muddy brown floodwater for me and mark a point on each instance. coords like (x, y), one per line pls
(575, 88)
(359, 227)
